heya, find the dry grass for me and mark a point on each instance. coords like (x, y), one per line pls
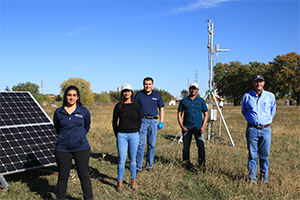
(225, 177)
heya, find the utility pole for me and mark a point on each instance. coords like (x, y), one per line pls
(42, 85)
(196, 76)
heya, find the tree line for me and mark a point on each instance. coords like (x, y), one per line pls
(282, 77)
(86, 94)
(231, 81)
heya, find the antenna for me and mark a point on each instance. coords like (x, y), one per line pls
(210, 94)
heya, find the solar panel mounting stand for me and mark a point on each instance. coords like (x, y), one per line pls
(4, 183)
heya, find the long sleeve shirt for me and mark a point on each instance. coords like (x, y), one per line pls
(259, 110)
(131, 119)
(72, 129)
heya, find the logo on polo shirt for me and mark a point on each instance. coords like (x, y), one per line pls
(78, 115)
(155, 99)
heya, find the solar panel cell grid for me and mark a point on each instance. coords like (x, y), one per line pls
(27, 134)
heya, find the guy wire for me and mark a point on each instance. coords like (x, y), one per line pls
(171, 143)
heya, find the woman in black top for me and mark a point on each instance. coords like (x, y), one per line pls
(129, 116)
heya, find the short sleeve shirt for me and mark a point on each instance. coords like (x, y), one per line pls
(192, 110)
(149, 103)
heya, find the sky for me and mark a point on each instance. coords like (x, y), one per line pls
(109, 43)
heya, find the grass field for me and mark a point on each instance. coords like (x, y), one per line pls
(225, 177)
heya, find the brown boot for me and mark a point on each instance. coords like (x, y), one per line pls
(120, 186)
(133, 184)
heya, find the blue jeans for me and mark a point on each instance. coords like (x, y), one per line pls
(126, 141)
(187, 137)
(258, 142)
(148, 130)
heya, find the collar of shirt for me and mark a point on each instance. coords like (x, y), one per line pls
(144, 91)
(259, 110)
(76, 111)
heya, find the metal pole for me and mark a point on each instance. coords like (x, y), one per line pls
(4, 183)
(221, 103)
(221, 115)
(220, 125)
(210, 27)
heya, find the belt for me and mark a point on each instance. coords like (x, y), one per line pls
(258, 127)
(150, 117)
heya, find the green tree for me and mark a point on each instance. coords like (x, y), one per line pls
(233, 80)
(103, 97)
(184, 93)
(166, 96)
(48, 99)
(83, 86)
(30, 87)
(284, 75)
(58, 98)
(115, 96)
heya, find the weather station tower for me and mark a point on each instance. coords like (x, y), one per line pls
(210, 95)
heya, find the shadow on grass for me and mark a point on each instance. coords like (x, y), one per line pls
(232, 175)
(106, 157)
(94, 173)
(163, 160)
(36, 182)
(172, 137)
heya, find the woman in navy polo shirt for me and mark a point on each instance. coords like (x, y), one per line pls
(72, 123)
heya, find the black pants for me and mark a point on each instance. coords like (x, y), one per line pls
(187, 137)
(64, 162)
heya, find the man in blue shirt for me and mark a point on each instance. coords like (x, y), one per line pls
(193, 107)
(258, 108)
(150, 101)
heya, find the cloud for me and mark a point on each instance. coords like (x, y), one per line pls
(197, 5)
(75, 32)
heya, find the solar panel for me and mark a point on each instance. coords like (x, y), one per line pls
(27, 134)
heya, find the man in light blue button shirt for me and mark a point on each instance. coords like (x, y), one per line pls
(258, 108)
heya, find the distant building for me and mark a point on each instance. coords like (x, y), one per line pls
(174, 101)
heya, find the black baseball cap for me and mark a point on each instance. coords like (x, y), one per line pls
(258, 77)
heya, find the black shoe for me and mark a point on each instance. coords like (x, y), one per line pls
(186, 167)
(150, 170)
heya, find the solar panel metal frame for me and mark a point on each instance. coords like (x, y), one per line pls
(17, 153)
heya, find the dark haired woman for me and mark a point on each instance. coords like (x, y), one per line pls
(72, 123)
(129, 115)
